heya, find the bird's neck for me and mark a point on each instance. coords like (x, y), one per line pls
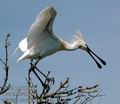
(69, 46)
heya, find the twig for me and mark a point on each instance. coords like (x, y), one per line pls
(5, 87)
(62, 95)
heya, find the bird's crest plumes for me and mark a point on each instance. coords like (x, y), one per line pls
(79, 39)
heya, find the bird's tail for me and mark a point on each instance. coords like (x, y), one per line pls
(25, 55)
(15, 51)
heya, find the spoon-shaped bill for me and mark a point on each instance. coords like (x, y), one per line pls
(102, 61)
(99, 66)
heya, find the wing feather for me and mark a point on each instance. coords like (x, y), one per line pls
(43, 23)
(23, 45)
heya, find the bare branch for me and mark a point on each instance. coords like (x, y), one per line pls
(62, 94)
(4, 86)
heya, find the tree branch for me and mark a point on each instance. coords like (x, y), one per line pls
(4, 86)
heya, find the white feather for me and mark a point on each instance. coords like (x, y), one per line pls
(23, 45)
(78, 38)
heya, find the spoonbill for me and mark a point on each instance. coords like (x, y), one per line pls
(42, 42)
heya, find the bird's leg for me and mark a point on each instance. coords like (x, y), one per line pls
(41, 72)
(38, 69)
(37, 61)
(46, 77)
(38, 78)
(32, 68)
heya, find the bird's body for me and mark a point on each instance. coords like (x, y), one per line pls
(41, 41)
(46, 46)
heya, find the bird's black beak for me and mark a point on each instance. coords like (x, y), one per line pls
(90, 52)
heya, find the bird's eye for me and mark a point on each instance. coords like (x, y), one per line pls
(80, 46)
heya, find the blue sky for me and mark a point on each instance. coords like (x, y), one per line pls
(99, 21)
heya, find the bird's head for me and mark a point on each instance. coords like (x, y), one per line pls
(79, 41)
(81, 44)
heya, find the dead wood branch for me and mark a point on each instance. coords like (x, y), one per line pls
(4, 87)
(62, 95)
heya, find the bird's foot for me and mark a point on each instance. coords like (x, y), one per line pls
(50, 80)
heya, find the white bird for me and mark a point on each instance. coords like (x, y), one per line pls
(41, 41)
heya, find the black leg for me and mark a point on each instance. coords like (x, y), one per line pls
(32, 68)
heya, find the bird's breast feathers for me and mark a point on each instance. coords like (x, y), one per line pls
(47, 46)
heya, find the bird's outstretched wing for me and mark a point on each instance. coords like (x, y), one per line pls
(43, 23)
